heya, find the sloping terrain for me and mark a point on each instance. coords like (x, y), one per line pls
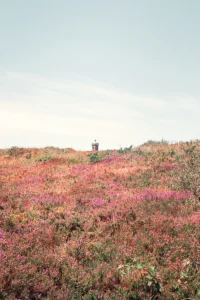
(115, 225)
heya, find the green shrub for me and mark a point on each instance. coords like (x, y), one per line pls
(44, 159)
(146, 177)
(125, 150)
(172, 153)
(95, 157)
(28, 156)
(138, 152)
(15, 151)
(152, 143)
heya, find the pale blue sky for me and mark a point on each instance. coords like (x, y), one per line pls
(120, 71)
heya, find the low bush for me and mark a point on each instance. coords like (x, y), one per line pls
(15, 151)
(187, 175)
(153, 143)
(125, 150)
(44, 159)
(95, 157)
(28, 156)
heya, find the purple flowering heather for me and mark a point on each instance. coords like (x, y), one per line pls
(164, 195)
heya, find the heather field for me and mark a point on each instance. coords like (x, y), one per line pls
(112, 225)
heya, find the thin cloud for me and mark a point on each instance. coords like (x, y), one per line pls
(78, 112)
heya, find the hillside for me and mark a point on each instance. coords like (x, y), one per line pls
(115, 225)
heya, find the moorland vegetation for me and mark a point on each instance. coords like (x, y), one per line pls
(108, 225)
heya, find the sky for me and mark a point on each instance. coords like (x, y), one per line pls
(118, 71)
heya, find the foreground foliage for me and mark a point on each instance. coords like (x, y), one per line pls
(114, 225)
